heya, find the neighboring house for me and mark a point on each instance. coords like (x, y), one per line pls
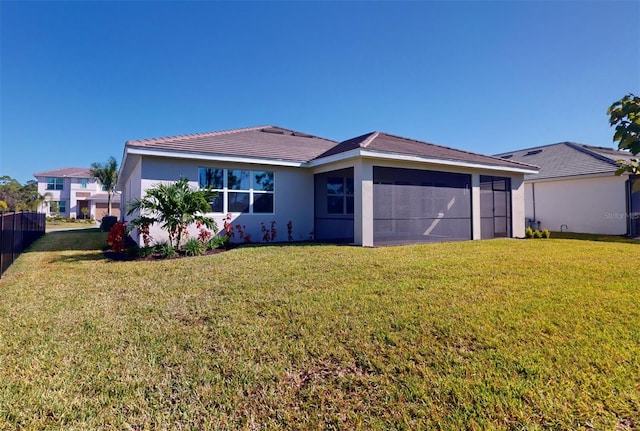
(576, 189)
(67, 191)
(371, 190)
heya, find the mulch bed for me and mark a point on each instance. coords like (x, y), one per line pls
(123, 256)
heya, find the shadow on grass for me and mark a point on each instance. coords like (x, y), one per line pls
(77, 239)
(594, 237)
(83, 257)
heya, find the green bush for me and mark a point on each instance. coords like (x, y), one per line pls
(217, 242)
(145, 251)
(537, 234)
(132, 251)
(546, 233)
(165, 249)
(193, 247)
(528, 233)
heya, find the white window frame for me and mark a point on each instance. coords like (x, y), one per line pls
(252, 191)
(55, 183)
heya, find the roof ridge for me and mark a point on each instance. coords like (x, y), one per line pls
(194, 135)
(61, 169)
(220, 133)
(372, 136)
(459, 150)
(569, 143)
(591, 153)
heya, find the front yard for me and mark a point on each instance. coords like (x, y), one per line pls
(501, 334)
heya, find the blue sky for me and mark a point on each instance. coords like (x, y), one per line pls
(78, 79)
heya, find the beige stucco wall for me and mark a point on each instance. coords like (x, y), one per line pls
(293, 199)
(586, 205)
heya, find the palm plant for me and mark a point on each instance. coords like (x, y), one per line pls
(107, 176)
(173, 206)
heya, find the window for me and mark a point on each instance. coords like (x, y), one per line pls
(54, 183)
(57, 207)
(340, 195)
(83, 183)
(103, 188)
(239, 190)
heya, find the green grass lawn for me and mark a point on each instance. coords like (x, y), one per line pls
(502, 334)
(594, 237)
(79, 224)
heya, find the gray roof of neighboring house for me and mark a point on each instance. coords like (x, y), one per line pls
(386, 143)
(66, 172)
(567, 159)
(260, 142)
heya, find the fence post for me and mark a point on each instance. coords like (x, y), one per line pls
(1, 244)
(13, 238)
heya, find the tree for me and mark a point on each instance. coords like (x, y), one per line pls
(625, 115)
(174, 207)
(31, 199)
(107, 176)
(20, 197)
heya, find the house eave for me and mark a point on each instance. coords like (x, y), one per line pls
(411, 158)
(213, 157)
(609, 174)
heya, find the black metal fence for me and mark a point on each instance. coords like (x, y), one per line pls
(17, 232)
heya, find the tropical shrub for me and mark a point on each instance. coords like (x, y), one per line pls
(165, 249)
(528, 232)
(174, 207)
(193, 247)
(537, 234)
(218, 242)
(546, 233)
(145, 251)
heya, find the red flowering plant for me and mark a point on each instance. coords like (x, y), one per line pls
(268, 234)
(143, 229)
(117, 237)
(228, 227)
(290, 231)
(241, 234)
(204, 235)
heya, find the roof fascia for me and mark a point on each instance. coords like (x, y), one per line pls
(212, 157)
(419, 159)
(610, 174)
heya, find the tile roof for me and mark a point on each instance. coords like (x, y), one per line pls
(277, 143)
(66, 172)
(387, 143)
(566, 159)
(260, 142)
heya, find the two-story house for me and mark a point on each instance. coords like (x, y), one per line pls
(74, 193)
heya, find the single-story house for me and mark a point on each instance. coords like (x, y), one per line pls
(74, 193)
(576, 189)
(371, 190)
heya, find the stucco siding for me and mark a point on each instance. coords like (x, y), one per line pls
(588, 205)
(518, 206)
(293, 196)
